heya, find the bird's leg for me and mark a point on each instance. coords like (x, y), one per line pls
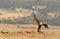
(39, 28)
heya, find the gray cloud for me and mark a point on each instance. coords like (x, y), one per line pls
(23, 3)
(52, 5)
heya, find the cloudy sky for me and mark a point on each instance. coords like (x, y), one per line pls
(50, 13)
(23, 3)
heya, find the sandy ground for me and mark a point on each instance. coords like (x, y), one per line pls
(19, 32)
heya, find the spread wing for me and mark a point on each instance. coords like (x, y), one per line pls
(36, 18)
(45, 25)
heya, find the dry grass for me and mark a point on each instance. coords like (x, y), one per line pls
(14, 33)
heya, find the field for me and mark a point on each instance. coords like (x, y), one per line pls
(28, 31)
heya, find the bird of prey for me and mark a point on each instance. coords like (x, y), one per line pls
(40, 23)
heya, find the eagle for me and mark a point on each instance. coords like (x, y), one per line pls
(40, 23)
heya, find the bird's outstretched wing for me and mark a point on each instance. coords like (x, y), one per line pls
(45, 25)
(36, 18)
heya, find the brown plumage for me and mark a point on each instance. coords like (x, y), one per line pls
(40, 24)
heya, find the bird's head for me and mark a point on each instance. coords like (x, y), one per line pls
(41, 23)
